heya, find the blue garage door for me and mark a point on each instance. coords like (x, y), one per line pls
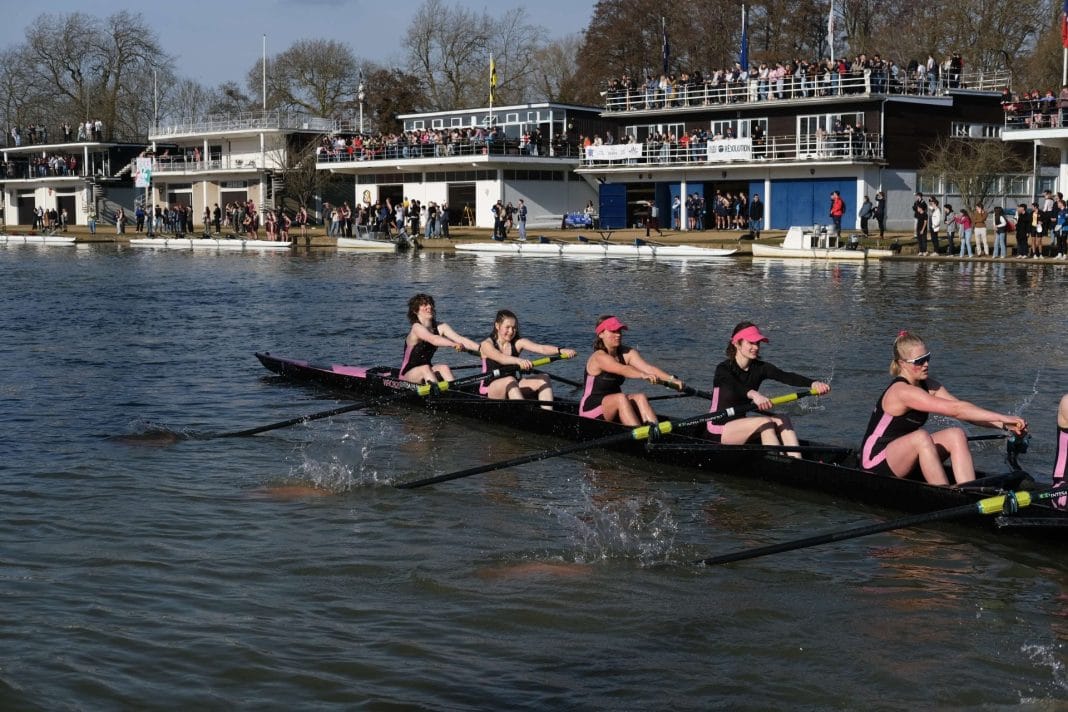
(613, 212)
(807, 201)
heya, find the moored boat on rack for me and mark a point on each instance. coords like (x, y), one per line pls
(209, 243)
(374, 244)
(561, 248)
(814, 244)
(36, 240)
(822, 468)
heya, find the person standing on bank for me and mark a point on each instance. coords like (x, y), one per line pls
(1001, 227)
(979, 230)
(867, 211)
(919, 212)
(837, 211)
(880, 213)
(950, 219)
(934, 223)
(756, 215)
(521, 216)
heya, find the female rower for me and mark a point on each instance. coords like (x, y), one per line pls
(424, 338)
(737, 382)
(608, 366)
(503, 347)
(1061, 463)
(895, 441)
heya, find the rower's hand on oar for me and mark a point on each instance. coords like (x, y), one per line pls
(761, 401)
(821, 388)
(1017, 426)
(525, 364)
(568, 353)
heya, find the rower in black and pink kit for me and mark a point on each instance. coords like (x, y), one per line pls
(423, 340)
(504, 348)
(1061, 463)
(737, 382)
(610, 364)
(895, 442)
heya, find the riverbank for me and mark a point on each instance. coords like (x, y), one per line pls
(726, 239)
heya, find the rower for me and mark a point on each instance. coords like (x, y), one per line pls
(504, 347)
(1061, 463)
(610, 364)
(423, 340)
(895, 442)
(737, 382)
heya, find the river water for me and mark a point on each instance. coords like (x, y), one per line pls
(285, 572)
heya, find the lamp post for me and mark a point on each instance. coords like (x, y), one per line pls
(361, 96)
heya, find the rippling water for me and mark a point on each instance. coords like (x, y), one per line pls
(283, 572)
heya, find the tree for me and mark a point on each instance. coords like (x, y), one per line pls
(972, 166)
(449, 49)
(319, 77)
(555, 76)
(97, 69)
(390, 92)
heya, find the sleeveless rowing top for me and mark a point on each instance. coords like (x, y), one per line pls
(1061, 463)
(419, 355)
(884, 428)
(489, 364)
(599, 386)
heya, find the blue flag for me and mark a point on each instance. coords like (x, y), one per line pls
(743, 56)
(665, 49)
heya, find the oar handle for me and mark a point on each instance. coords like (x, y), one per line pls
(688, 390)
(720, 416)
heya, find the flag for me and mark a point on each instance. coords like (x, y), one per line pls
(1064, 25)
(830, 29)
(743, 56)
(492, 79)
(665, 48)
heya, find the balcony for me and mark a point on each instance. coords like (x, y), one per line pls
(511, 148)
(832, 148)
(172, 165)
(805, 89)
(238, 123)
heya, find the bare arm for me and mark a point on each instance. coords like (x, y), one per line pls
(902, 396)
(635, 359)
(490, 351)
(421, 333)
(543, 349)
(464, 342)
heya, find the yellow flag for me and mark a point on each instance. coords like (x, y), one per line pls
(493, 80)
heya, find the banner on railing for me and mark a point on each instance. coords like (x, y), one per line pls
(615, 152)
(730, 149)
(143, 173)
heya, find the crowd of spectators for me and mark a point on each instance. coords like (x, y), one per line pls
(1035, 109)
(388, 218)
(788, 79)
(436, 143)
(36, 134)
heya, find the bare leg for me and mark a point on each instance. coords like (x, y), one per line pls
(618, 407)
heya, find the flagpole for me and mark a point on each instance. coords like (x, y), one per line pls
(265, 72)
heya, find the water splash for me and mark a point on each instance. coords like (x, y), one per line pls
(1049, 655)
(610, 526)
(143, 433)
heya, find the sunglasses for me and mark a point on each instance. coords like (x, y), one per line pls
(919, 360)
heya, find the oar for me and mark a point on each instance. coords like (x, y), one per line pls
(1008, 502)
(687, 390)
(553, 376)
(420, 390)
(642, 432)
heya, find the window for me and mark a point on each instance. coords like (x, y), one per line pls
(437, 124)
(928, 184)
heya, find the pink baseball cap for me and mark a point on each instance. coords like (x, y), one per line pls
(750, 334)
(610, 324)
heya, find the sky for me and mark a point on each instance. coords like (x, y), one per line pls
(218, 41)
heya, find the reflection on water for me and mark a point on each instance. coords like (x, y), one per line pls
(289, 556)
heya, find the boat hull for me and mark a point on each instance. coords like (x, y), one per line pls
(593, 249)
(36, 240)
(367, 245)
(817, 253)
(832, 471)
(208, 243)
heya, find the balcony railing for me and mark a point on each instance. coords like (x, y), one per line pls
(178, 164)
(808, 148)
(1041, 114)
(255, 121)
(401, 152)
(802, 87)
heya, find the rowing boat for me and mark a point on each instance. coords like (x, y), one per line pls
(822, 468)
(593, 249)
(374, 244)
(816, 244)
(36, 240)
(209, 243)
